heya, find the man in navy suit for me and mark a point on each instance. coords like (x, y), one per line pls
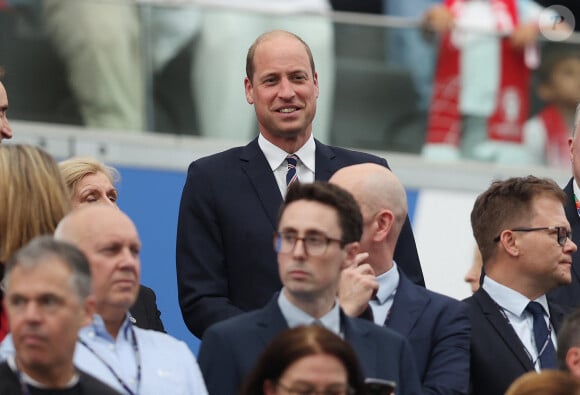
(524, 238)
(569, 295)
(317, 236)
(225, 264)
(436, 326)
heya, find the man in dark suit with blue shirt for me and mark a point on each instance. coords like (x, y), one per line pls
(524, 238)
(436, 326)
(317, 236)
(225, 265)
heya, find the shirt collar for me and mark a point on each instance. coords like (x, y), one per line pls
(510, 300)
(276, 156)
(98, 328)
(575, 188)
(295, 317)
(388, 283)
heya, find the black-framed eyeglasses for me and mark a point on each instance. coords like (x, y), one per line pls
(303, 389)
(562, 234)
(314, 244)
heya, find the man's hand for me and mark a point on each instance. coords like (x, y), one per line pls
(357, 286)
(438, 19)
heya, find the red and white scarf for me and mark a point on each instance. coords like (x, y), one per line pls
(557, 132)
(511, 105)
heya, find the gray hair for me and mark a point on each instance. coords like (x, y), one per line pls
(40, 248)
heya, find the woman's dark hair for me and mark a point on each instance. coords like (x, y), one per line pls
(296, 343)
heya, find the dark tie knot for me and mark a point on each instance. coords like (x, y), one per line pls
(535, 309)
(292, 160)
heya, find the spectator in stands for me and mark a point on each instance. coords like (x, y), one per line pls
(482, 118)
(34, 199)
(436, 326)
(569, 344)
(5, 129)
(318, 232)
(90, 181)
(546, 135)
(569, 295)
(524, 238)
(48, 286)
(101, 45)
(130, 359)
(550, 382)
(306, 359)
(227, 33)
(225, 264)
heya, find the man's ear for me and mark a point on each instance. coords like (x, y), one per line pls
(509, 242)
(351, 249)
(384, 221)
(573, 361)
(249, 89)
(89, 309)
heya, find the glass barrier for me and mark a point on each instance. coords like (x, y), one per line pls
(179, 68)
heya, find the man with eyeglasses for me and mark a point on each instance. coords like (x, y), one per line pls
(318, 235)
(569, 295)
(524, 238)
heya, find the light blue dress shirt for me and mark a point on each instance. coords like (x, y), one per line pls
(167, 364)
(382, 303)
(295, 317)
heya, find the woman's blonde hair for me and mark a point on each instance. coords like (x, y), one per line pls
(74, 169)
(33, 195)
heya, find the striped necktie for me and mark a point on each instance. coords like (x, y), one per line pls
(291, 175)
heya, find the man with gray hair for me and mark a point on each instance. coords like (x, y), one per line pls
(569, 295)
(48, 284)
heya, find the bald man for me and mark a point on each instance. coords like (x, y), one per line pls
(129, 359)
(436, 326)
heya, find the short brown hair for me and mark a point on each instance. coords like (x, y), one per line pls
(507, 204)
(296, 343)
(347, 209)
(263, 37)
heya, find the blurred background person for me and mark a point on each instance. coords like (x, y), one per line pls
(550, 382)
(473, 275)
(546, 134)
(34, 199)
(306, 359)
(90, 181)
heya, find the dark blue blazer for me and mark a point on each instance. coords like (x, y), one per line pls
(230, 349)
(498, 357)
(568, 296)
(145, 313)
(438, 329)
(226, 263)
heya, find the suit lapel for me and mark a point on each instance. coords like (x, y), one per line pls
(359, 338)
(407, 308)
(491, 311)
(261, 177)
(325, 163)
(574, 219)
(270, 321)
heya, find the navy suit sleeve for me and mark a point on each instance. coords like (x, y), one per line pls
(409, 383)
(447, 371)
(202, 279)
(218, 365)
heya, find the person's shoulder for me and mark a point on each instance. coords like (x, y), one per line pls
(236, 324)
(92, 386)
(354, 156)
(443, 301)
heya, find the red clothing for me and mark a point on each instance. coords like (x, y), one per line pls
(3, 321)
